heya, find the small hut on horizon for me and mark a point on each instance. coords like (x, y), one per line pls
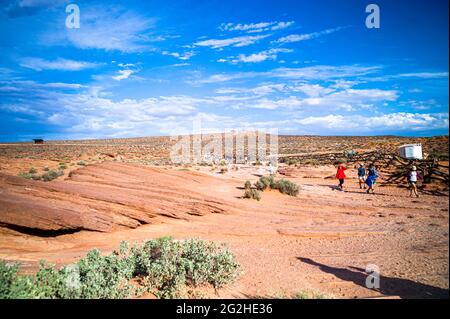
(38, 141)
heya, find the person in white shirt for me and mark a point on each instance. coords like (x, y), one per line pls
(412, 181)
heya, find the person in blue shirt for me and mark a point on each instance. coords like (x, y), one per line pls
(371, 178)
(361, 176)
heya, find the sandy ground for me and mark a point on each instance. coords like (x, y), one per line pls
(322, 240)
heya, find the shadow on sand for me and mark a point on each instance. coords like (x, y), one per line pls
(403, 288)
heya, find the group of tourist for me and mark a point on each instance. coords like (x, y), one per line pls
(367, 178)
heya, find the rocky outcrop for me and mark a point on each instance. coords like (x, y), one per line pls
(105, 197)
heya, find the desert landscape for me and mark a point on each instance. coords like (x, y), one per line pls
(60, 199)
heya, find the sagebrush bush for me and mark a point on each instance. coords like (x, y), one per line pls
(283, 185)
(106, 276)
(265, 182)
(26, 175)
(286, 187)
(32, 170)
(51, 175)
(164, 266)
(167, 265)
(252, 193)
(247, 185)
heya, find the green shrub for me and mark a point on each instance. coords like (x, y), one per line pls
(62, 166)
(159, 262)
(106, 276)
(284, 186)
(26, 175)
(32, 170)
(13, 286)
(46, 169)
(164, 266)
(247, 185)
(51, 175)
(81, 163)
(167, 265)
(47, 176)
(265, 182)
(253, 194)
(309, 295)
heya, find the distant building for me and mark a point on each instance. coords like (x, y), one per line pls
(38, 141)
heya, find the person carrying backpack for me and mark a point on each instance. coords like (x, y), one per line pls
(371, 179)
(361, 176)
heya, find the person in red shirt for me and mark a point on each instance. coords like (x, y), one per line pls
(340, 175)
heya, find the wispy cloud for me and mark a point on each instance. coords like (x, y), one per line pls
(181, 56)
(318, 72)
(61, 64)
(400, 121)
(256, 27)
(260, 56)
(21, 8)
(28, 85)
(307, 36)
(108, 29)
(235, 42)
(123, 74)
(425, 75)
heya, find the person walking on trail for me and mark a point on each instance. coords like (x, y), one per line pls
(340, 175)
(412, 181)
(371, 179)
(361, 176)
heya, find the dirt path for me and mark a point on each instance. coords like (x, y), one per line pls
(321, 240)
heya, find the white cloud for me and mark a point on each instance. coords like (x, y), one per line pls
(221, 77)
(181, 56)
(236, 41)
(93, 112)
(312, 90)
(108, 29)
(21, 85)
(323, 72)
(123, 74)
(60, 85)
(378, 123)
(318, 72)
(271, 54)
(308, 36)
(61, 64)
(419, 105)
(425, 75)
(349, 99)
(256, 27)
(255, 91)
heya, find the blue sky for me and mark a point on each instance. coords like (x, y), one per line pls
(139, 68)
